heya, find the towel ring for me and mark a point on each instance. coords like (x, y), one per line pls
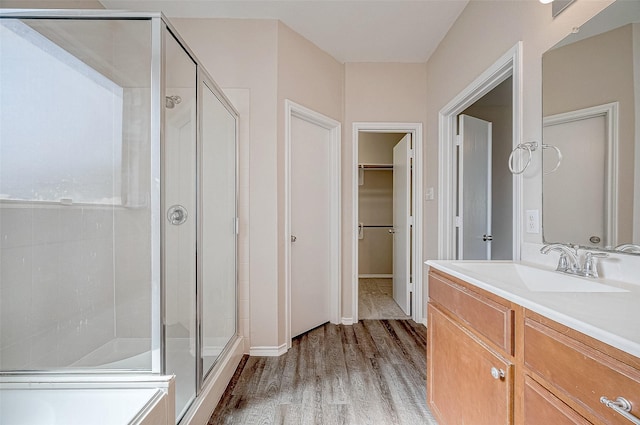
(526, 146)
(555, 148)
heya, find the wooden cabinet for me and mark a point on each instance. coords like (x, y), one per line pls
(462, 388)
(491, 320)
(540, 406)
(579, 369)
(552, 374)
(469, 368)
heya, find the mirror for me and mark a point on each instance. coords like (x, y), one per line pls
(591, 133)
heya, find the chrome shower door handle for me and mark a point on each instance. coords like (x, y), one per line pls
(177, 215)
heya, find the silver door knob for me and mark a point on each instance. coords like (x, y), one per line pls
(177, 215)
(497, 373)
(293, 238)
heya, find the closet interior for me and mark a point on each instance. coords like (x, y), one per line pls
(375, 226)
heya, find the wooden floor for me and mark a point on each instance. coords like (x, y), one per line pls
(370, 373)
(375, 300)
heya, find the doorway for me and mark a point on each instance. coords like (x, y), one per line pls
(386, 241)
(312, 219)
(506, 69)
(484, 224)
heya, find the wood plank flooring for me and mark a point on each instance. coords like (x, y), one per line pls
(370, 373)
(375, 300)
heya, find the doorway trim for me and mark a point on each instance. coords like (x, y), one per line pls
(509, 65)
(294, 110)
(415, 129)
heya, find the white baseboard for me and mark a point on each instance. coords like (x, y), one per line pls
(375, 276)
(214, 387)
(347, 321)
(267, 351)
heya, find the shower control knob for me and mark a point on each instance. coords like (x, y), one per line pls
(177, 215)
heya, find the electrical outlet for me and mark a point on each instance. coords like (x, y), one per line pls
(533, 221)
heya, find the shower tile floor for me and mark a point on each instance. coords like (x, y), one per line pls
(375, 300)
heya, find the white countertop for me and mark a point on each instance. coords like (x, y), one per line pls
(611, 317)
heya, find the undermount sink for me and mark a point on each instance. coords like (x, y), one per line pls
(535, 279)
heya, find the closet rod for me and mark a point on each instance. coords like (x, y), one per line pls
(376, 225)
(375, 166)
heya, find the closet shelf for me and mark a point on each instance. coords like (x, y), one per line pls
(375, 166)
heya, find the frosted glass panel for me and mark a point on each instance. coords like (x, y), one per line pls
(72, 151)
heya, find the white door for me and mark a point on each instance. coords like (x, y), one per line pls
(583, 143)
(474, 189)
(402, 224)
(310, 225)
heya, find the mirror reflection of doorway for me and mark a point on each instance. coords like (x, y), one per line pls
(384, 231)
(484, 211)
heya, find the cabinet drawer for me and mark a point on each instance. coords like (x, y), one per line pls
(542, 407)
(580, 372)
(492, 320)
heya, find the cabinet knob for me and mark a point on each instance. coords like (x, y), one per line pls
(497, 373)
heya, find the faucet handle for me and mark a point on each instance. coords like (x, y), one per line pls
(563, 263)
(590, 268)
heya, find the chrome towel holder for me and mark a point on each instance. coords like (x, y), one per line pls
(530, 147)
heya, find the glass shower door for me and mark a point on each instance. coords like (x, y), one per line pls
(179, 202)
(217, 245)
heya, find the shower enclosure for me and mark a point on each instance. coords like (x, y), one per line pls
(118, 221)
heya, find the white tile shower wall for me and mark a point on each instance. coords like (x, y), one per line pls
(56, 283)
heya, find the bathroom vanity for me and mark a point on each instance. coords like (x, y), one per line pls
(510, 343)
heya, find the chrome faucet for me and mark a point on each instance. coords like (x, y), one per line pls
(628, 247)
(569, 261)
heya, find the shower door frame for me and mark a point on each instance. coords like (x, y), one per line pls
(202, 78)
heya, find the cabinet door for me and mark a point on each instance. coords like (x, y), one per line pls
(461, 387)
(542, 407)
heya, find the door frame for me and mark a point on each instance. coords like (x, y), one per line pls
(509, 65)
(415, 129)
(294, 110)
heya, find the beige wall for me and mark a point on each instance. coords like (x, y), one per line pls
(374, 92)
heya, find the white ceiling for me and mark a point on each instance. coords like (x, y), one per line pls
(351, 31)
